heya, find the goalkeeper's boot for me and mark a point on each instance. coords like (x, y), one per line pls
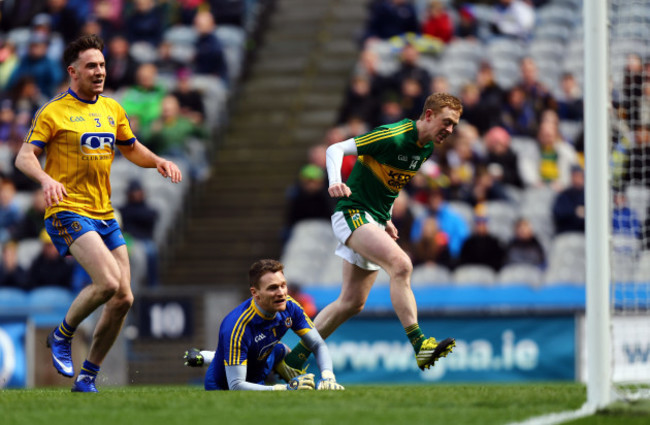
(431, 350)
(84, 384)
(193, 358)
(286, 372)
(61, 353)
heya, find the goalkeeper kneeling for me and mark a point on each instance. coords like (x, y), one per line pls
(250, 346)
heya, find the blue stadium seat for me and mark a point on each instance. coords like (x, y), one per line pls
(48, 304)
(12, 298)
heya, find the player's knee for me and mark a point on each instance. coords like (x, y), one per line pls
(121, 303)
(401, 268)
(108, 289)
(353, 307)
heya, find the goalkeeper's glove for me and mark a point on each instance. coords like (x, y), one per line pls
(193, 358)
(302, 382)
(328, 381)
(286, 372)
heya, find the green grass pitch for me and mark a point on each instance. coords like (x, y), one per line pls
(358, 405)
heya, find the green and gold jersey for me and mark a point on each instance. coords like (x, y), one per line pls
(389, 157)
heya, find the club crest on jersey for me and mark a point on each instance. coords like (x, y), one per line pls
(95, 144)
(288, 322)
(111, 121)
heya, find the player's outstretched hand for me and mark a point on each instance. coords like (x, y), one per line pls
(169, 169)
(193, 358)
(339, 190)
(286, 372)
(328, 382)
(302, 382)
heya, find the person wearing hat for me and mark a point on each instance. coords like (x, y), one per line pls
(308, 198)
(35, 63)
(482, 248)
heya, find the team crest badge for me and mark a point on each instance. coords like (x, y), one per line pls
(111, 121)
(356, 216)
(75, 226)
(288, 322)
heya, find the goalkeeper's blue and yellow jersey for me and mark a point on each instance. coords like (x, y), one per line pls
(246, 337)
(389, 157)
(79, 139)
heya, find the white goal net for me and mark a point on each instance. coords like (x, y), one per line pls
(629, 71)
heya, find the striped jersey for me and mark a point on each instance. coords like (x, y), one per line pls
(246, 337)
(388, 157)
(79, 139)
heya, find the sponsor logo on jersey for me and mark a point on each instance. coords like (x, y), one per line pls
(397, 180)
(259, 337)
(77, 119)
(402, 157)
(97, 144)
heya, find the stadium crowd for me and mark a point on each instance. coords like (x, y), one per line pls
(510, 179)
(170, 64)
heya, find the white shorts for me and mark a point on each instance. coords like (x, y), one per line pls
(342, 231)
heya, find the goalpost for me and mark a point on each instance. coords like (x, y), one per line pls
(617, 127)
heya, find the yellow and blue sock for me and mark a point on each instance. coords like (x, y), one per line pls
(89, 369)
(415, 335)
(65, 330)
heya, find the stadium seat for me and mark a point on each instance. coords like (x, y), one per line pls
(306, 253)
(638, 198)
(430, 274)
(517, 274)
(505, 48)
(474, 275)
(48, 297)
(642, 268)
(332, 271)
(501, 219)
(566, 263)
(12, 299)
(464, 209)
(27, 251)
(570, 130)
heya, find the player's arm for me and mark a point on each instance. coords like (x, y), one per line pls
(27, 162)
(236, 376)
(334, 160)
(316, 345)
(140, 155)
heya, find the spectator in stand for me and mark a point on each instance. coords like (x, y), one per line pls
(482, 248)
(513, 18)
(437, 22)
(467, 26)
(473, 112)
(109, 15)
(518, 115)
(121, 67)
(10, 213)
(449, 221)
(12, 275)
(491, 98)
(632, 84)
(644, 104)
(524, 247)
(569, 104)
(49, 268)
(8, 61)
(462, 160)
(189, 98)
(167, 65)
(637, 168)
(143, 101)
(484, 187)
(42, 24)
(368, 66)
(388, 18)
(500, 156)
(304, 299)
(65, 19)
(412, 97)
(145, 23)
(139, 221)
(402, 219)
(229, 12)
(536, 92)
(556, 157)
(391, 110)
(433, 246)
(410, 68)
(26, 96)
(624, 219)
(308, 198)
(209, 58)
(46, 73)
(18, 14)
(31, 224)
(569, 204)
(359, 100)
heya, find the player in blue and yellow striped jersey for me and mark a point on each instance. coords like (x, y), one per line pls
(250, 346)
(79, 130)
